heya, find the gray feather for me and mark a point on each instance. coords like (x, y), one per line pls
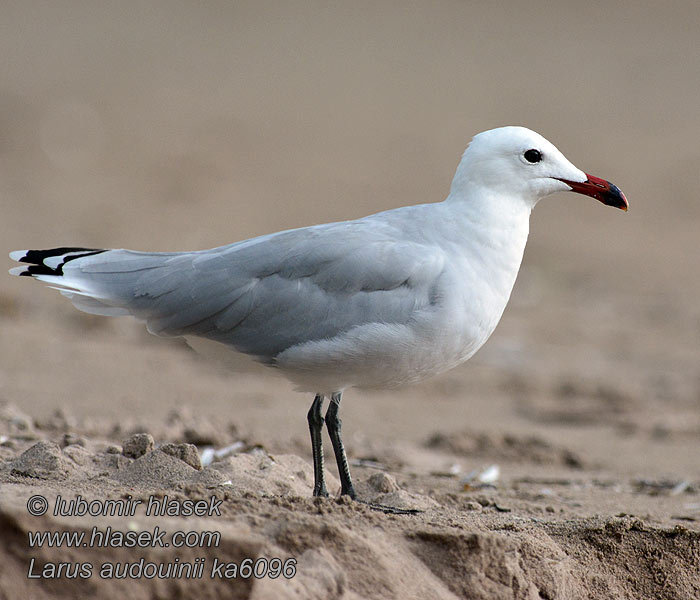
(265, 295)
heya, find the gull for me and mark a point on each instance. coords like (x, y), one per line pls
(378, 302)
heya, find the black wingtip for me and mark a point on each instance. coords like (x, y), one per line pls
(36, 258)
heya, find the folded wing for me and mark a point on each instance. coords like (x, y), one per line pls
(261, 296)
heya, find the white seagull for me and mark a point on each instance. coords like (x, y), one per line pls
(377, 302)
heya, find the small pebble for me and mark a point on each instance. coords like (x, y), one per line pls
(71, 439)
(138, 445)
(44, 460)
(77, 453)
(383, 483)
(187, 453)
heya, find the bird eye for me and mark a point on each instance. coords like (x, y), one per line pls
(533, 156)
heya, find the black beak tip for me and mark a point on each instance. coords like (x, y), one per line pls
(614, 197)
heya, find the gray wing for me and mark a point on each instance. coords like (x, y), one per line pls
(267, 294)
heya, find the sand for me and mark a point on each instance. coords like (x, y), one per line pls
(560, 462)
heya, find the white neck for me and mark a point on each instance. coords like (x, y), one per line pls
(494, 230)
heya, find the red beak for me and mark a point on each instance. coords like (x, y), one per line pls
(602, 190)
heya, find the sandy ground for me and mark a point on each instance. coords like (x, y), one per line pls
(170, 125)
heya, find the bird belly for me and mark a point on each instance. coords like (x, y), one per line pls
(382, 355)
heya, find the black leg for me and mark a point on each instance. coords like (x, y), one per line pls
(316, 428)
(333, 423)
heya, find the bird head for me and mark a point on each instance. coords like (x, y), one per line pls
(519, 163)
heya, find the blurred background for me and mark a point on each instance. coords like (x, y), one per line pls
(172, 125)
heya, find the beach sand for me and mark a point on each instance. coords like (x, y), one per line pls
(174, 126)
